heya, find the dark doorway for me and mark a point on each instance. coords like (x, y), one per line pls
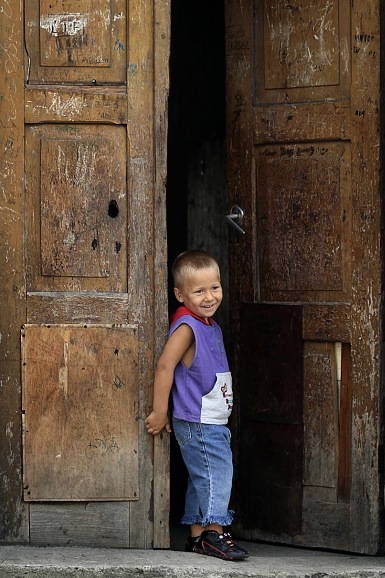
(196, 179)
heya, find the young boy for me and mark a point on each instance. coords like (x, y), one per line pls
(194, 368)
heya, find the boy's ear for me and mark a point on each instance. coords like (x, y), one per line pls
(178, 294)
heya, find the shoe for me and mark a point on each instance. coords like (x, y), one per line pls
(189, 544)
(227, 535)
(221, 546)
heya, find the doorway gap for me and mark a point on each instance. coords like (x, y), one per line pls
(196, 167)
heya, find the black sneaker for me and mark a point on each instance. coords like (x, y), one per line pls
(228, 536)
(221, 546)
(189, 545)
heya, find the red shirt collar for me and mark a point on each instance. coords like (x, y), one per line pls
(183, 310)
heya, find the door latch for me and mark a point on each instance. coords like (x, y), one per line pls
(235, 218)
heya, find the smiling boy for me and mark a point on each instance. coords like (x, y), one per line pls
(194, 368)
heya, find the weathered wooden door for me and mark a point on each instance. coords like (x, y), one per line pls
(303, 158)
(83, 139)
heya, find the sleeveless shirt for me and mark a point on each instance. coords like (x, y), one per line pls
(202, 393)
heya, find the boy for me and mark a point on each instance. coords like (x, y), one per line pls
(194, 368)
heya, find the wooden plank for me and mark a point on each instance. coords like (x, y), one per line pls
(239, 116)
(308, 122)
(243, 284)
(74, 104)
(162, 23)
(63, 307)
(326, 322)
(13, 513)
(80, 430)
(367, 437)
(326, 520)
(90, 524)
(141, 278)
(320, 415)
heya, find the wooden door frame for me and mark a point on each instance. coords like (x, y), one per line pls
(13, 307)
(147, 80)
(366, 521)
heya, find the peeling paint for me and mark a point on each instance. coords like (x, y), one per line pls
(64, 24)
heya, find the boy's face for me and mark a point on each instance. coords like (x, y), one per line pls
(201, 292)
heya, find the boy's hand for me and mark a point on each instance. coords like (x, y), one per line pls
(156, 422)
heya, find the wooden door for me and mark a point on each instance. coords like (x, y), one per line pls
(83, 129)
(303, 164)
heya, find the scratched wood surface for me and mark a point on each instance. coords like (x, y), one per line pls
(321, 424)
(302, 166)
(13, 513)
(141, 282)
(161, 475)
(80, 390)
(367, 485)
(76, 45)
(311, 211)
(80, 523)
(96, 85)
(70, 524)
(77, 208)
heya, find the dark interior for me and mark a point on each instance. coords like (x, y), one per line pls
(196, 157)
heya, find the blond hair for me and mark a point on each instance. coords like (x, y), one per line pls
(190, 262)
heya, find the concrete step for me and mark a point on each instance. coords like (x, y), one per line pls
(265, 561)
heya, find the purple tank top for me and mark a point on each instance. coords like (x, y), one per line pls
(203, 392)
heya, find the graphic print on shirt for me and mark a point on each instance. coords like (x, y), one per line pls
(218, 403)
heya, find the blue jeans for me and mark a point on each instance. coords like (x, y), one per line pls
(207, 454)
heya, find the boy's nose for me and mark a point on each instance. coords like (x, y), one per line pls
(209, 296)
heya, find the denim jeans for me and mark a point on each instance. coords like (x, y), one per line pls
(207, 454)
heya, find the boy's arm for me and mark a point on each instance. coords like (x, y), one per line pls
(177, 345)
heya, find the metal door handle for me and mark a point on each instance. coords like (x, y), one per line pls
(236, 218)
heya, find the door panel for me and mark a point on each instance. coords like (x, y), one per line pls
(302, 51)
(77, 208)
(304, 223)
(271, 414)
(320, 416)
(80, 131)
(80, 391)
(68, 42)
(296, 152)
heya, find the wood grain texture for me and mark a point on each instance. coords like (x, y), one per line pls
(367, 484)
(313, 236)
(96, 116)
(162, 34)
(80, 413)
(86, 45)
(13, 513)
(95, 524)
